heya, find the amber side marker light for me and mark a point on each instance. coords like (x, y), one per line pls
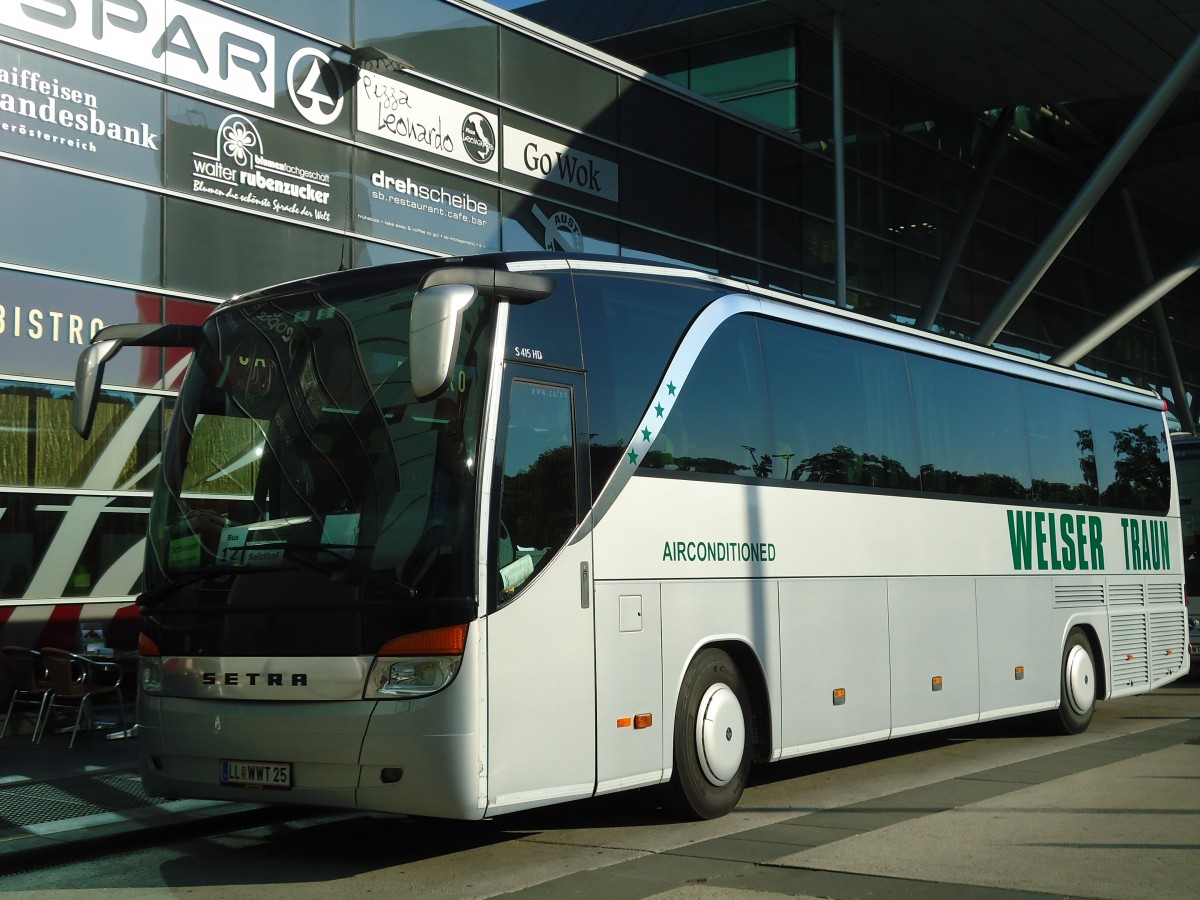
(643, 720)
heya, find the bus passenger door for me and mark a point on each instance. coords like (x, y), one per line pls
(540, 652)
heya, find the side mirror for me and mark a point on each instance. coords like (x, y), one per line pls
(434, 329)
(89, 370)
(89, 373)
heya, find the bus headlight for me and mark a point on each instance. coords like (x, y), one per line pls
(415, 665)
(150, 674)
(411, 677)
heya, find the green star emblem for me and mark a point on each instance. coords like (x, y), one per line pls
(659, 409)
(633, 457)
(646, 435)
(671, 389)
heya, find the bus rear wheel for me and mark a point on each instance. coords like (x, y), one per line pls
(1077, 686)
(712, 738)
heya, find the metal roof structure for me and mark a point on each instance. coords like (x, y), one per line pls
(1118, 78)
(1096, 61)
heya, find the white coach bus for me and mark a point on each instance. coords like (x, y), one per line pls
(468, 536)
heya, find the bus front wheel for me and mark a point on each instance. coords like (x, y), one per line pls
(1077, 691)
(712, 738)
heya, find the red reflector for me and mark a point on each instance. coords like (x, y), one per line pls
(438, 642)
(643, 720)
(147, 647)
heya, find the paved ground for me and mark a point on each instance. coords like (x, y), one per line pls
(53, 796)
(1110, 814)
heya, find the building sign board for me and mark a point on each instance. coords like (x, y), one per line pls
(402, 113)
(167, 37)
(547, 160)
(62, 113)
(231, 158)
(399, 201)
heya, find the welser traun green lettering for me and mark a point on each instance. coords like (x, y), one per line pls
(1048, 541)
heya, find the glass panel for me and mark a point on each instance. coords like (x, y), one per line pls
(564, 89)
(546, 331)
(433, 37)
(973, 434)
(298, 455)
(658, 196)
(39, 447)
(1061, 452)
(64, 236)
(1131, 456)
(97, 541)
(630, 327)
(720, 424)
(537, 495)
(251, 251)
(690, 139)
(842, 409)
(327, 18)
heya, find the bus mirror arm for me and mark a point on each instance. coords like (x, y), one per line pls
(89, 370)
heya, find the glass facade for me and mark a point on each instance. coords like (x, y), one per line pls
(148, 180)
(910, 163)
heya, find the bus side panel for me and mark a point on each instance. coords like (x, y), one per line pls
(696, 614)
(1019, 645)
(836, 672)
(629, 679)
(934, 653)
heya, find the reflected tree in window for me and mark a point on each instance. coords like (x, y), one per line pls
(1140, 473)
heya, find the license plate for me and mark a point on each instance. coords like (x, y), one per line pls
(256, 773)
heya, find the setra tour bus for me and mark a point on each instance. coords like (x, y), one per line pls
(467, 536)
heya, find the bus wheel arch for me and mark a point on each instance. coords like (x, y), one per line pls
(715, 733)
(1080, 683)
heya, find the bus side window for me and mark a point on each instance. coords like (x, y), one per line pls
(537, 492)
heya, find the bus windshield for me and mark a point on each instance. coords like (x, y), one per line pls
(299, 448)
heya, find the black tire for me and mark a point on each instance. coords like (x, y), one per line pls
(712, 738)
(1077, 686)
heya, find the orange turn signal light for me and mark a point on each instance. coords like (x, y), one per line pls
(449, 641)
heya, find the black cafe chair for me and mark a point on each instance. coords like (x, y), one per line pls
(31, 686)
(74, 682)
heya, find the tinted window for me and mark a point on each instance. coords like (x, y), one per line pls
(720, 424)
(630, 328)
(1131, 456)
(843, 414)
(537, 499)
(547, 331)
(971, 428)
(1061, 453)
